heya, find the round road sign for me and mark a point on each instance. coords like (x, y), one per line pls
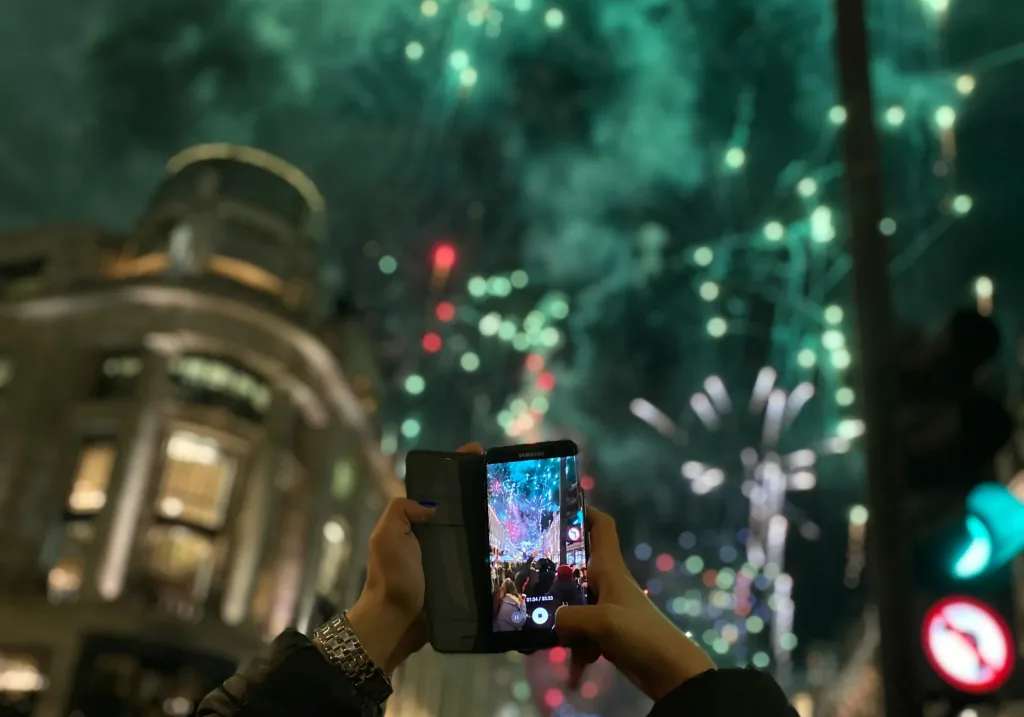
(968, 644)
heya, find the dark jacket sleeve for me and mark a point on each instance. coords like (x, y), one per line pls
(294, 679)
(725, 693)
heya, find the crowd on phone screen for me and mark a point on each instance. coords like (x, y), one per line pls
(518, 586)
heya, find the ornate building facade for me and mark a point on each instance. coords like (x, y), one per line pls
(188, 447)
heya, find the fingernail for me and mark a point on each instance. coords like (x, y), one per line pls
(428, 504)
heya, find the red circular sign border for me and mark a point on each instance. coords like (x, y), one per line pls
(1001, 677)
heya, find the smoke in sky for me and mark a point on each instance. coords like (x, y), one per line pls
(606, 127)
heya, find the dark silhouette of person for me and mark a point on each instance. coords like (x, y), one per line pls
(564, 589)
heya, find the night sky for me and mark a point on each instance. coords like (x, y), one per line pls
(667, 170)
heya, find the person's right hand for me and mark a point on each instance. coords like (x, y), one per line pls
(625, 626)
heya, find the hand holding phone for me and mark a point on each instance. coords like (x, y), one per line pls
(626, 627)
(507, 547)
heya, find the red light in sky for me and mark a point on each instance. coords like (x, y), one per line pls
(535, 363)
(445, 311)
(587, 483)
(589, 690)
(444, 257)
(546, 381)
(432, 343)
(553, 698)
(664, 562)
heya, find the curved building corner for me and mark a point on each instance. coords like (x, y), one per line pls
(186, 465)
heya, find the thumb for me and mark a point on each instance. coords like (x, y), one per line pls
(420, 512)
(403, 510)
(574, 623)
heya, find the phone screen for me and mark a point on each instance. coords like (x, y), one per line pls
(538, 551)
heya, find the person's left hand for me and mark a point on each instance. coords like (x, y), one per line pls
(388, 616)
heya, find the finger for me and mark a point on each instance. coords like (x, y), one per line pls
(472, 448)
(583, 654)
(604, 539)
(575, 624)
(401, 513)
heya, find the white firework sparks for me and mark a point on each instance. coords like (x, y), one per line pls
(766, 477)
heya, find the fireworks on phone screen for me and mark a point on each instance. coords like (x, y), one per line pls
(538, 563)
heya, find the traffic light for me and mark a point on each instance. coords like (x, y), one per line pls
(995, 531)
(966, 527)
(952, 429)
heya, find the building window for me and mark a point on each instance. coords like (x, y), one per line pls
(181, 561)
(215, 382)
(87, 497)
(22, 678)
(92, 478)
(118, 376)
(191, 507)
(197, 481)
(65, 577)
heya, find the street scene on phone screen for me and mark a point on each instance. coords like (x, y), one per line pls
(536, 539)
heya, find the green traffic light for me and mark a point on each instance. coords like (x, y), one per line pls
(995, 531)
(974, 558)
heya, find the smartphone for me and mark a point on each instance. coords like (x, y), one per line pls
(537, 542)
(453, 544)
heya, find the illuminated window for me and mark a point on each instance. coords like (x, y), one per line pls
(92, 478)
(118, 376)
(180, 559)
(191, 505)
(215, 382)
(86, 499)
(65, 577)
(196, 483)
(22, 678)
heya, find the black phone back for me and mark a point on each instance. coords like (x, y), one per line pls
(453, 544)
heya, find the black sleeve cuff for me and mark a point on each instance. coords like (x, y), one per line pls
(295, 679)
(725, 693)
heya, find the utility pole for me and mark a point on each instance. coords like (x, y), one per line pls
(888, 543)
